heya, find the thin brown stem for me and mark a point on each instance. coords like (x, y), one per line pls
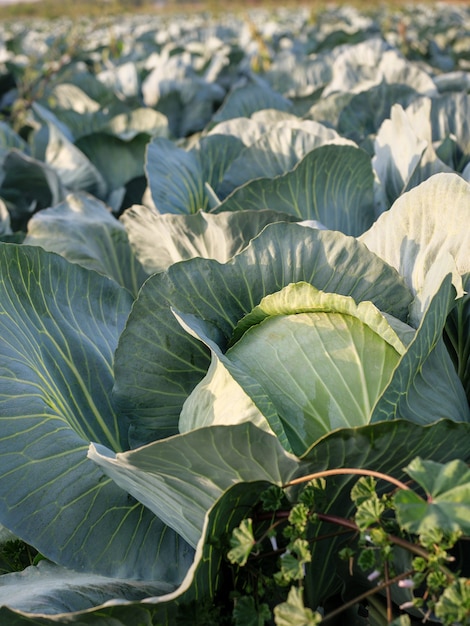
(388, 592)
(366, 594)
(347, 470)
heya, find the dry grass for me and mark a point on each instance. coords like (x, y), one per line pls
(50, 9)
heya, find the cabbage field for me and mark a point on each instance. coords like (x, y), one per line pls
(235, 319)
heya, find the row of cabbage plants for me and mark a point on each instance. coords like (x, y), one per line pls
(234, 319)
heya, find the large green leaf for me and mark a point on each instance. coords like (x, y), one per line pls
(366, 111)
(10, 139)
(59, 326)
(403, 158)
(457, 335)
(398, 151)
(216, 153)
(83, 230)
(332, 184)
(173, 479)
(120, 616)
(158, 241)
(243, 100)
(190, 602)
(361, 66)
(443, 117)
(49, 589)
(422, 237)
(158, 364)
(177, 177)
(74, 169)
(67, 95)
(425, 384)
(28, 185)
(118, 160)
(249, 129)
(422, 226)
(277, 151)
(179, 93)
(297, 74)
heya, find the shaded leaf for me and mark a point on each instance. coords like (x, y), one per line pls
(83, 230)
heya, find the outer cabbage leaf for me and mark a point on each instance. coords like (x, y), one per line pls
(425, 385)
(49, 589)
(422, 226)
(395, 443)
(5, 222)
(74, 169)
(174, 476)
(28, 185)
(250, 129)
(296, 74)
(404, 155)
(117, 121)
(177, 177)
(445, 117)
(332, 184)
(123, 79)
(189, 601)
(397, 153)
(366, 111)
(327, 109)
(422, 237)
(277, 151)
(67, 95)
(175, 89)
(361, 66)
(59, 325)
(83, 230)
(10, 139)
(457, 333)
(158, 241)
(243, 100)
(118, 160)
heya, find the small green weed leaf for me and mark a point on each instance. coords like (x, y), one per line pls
(301, 548)
(242, 543)
(366, 560)
(246, 613)
(437, 479)
(294, 613)
(313, 496)
(298, 517)
(363, 490)
(291, 569)
(369, 512)
(447, 507)
(454, 604)
(272, 498)
(293, 561)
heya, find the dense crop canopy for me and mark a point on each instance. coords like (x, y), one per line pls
(232, 254)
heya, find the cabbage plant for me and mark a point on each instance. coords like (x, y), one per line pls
(132, 428)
